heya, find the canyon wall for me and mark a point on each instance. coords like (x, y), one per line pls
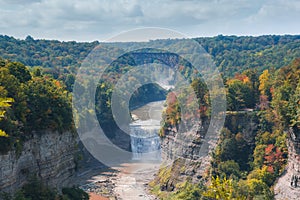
(50, 156)
(285, 188)
(183, 150)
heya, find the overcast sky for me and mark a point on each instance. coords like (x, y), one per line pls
(89, 20)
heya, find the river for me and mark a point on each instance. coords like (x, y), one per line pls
(129, 180)
(133, 178)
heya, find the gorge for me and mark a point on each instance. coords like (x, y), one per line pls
(255, 155)
(50, 156)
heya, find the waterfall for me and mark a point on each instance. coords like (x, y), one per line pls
(145, 142)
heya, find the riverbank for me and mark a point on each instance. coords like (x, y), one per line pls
(129, 181)
(94, 196)
(132, 181)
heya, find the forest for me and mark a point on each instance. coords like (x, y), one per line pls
(231, 53)
(261, 77)
(241, 169)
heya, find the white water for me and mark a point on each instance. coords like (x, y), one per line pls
(145, 142)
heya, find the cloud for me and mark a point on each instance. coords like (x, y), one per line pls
(78, 19)
(276, 17)
(278, 10)
(19, 1)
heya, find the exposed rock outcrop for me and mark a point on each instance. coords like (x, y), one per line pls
(185, 153)
(286, 187)
(182, 154)
(244, 122)
(47, 155)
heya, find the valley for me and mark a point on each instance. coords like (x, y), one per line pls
(181, 145)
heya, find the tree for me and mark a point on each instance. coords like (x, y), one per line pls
(240, 94)
(258, 155)
(188, 191)
(273, 159)
(264, 83)
(4, 104)
(262, 174)
(19, 71)
(257, 189)
(228, 169)
(75, 193)
(70, 82)
(222, 189)
(48, 105)
(253, 77)
(37, 71)
(294, 108)
(228, 150)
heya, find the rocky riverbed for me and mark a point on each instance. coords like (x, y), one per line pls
(129, 181)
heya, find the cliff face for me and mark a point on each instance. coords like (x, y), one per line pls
(184, 150)
(48, 155)
(285, 187)
(244, 122)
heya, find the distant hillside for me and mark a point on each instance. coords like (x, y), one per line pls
(235, 54)
(231, 53)
(45, 53)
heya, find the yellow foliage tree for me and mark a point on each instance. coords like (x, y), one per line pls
(263, 82)
(4, 103)
(222, 189)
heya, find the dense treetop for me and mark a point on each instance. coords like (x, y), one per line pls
(46, 53)
(231, 53)
(30, 102)
(235, 54)
(243, 168)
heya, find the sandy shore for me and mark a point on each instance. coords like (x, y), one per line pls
(133, 179)
(94, 196)
(126, 182)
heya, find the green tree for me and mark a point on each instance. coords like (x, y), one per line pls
(19, 71)
(262, 174)
(35, 190)
(69, 82)
(229, 168)
(255, 189)
(258, 155)
(75, 193)
(48, 105)
(239, 95)
(222, 189)
(294, 108)
(188, 191)
(228, 150)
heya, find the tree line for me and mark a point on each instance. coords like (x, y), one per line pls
(243, 168)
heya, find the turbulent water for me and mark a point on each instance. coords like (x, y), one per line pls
(129, 180)
(145, 142)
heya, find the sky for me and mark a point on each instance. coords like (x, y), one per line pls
(90, 20)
